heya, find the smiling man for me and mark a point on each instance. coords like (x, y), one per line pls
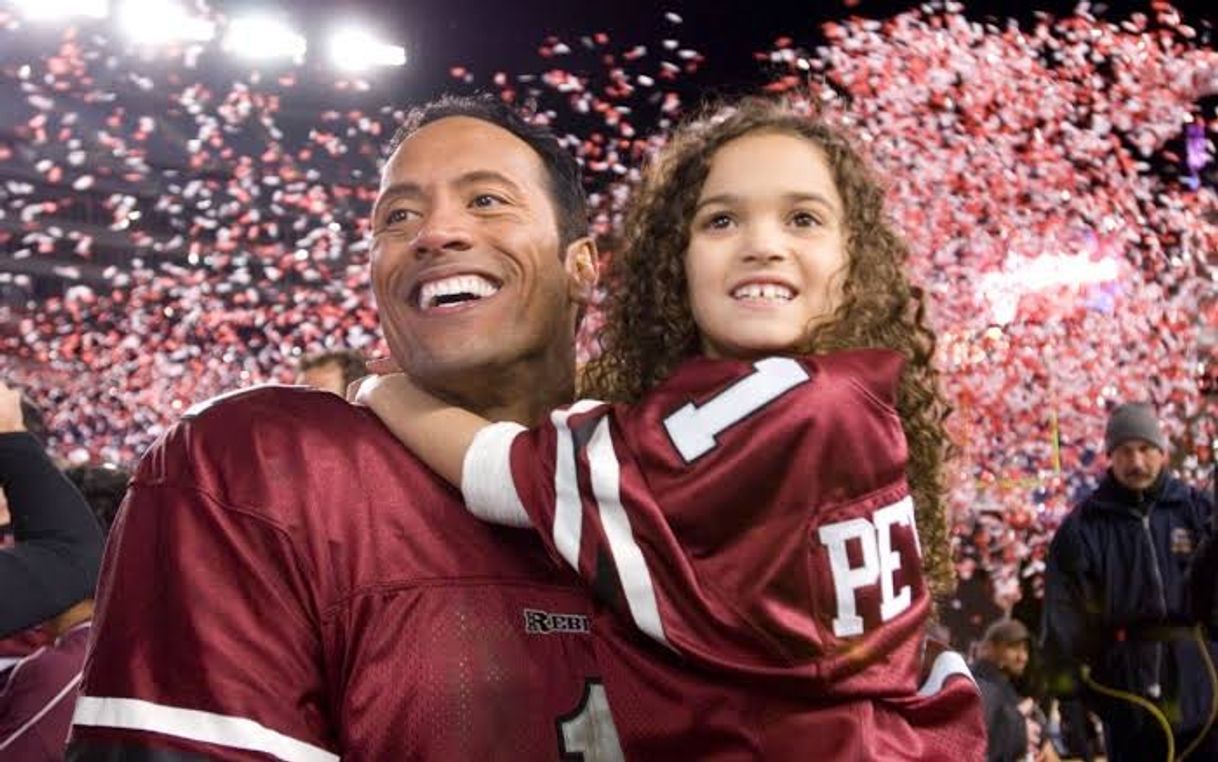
(1118, 627)
(284, 580)
(471, 238)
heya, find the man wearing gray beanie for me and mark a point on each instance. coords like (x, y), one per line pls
(1119, 628)
(1135, 446)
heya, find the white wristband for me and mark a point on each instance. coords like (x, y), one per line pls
(486, 477)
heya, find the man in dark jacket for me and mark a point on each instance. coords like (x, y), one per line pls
(1118, 625)
(1013, 725)
(58, 545)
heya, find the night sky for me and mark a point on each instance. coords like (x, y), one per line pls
(488, 36)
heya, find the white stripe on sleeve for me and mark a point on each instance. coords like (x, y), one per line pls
(631, 565)
(568, 508)
(195, 725)
(486, 477)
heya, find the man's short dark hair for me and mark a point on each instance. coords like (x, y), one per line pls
(562, 172)
(352, 363)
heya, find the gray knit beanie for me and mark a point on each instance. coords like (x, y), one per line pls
(1133, 420)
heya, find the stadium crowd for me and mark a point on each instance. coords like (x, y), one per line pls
(204, 235)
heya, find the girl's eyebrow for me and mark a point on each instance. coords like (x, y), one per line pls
(731, 198)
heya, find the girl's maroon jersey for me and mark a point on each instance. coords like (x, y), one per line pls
(754, 520)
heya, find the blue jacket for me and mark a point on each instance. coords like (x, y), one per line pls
(1117, 599)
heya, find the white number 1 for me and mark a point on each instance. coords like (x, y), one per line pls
(695, 430)
(589, 734)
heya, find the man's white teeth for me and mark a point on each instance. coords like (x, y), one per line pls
(763, 291)
(459, 288)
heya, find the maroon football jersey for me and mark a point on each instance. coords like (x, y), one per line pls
(284, 581)
(37, 695)
(753, 518)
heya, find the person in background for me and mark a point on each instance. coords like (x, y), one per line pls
(1014, 726)
(331, 371)
(57, 548)
(37, 694)
(1117, 629)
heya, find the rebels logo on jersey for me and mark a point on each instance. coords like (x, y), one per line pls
(544, 623)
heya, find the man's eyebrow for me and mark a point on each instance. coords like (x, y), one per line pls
(396, 191)
(487, 176)
(728, 199)
(409, 189)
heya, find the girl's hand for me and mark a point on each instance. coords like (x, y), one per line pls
(378, 366)
(383, 392)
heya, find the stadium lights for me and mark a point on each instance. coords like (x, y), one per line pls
(51, 10)
(1051, 271)
(1029, 275)
(356, 49)
(157, 22)
(263, 38)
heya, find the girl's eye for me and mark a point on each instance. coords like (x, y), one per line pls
(804, 220)
(718, 221)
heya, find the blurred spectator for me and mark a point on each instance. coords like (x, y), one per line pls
(1117, 627)
(54, 561)
(1014, 726)
(38, 694)
(332, 371)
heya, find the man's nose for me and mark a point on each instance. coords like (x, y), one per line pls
(442, 231)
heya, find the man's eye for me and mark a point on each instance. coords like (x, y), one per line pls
(397, 215)
(485, 200)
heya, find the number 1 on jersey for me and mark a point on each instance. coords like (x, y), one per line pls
(588, 734)
(695, 430)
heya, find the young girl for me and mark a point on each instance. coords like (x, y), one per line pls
(760, 490)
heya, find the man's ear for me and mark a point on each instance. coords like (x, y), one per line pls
(580, 264)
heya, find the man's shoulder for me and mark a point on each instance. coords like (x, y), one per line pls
(1176, 490)
(270, 403)
(265, 445)
(1069, 532)
(1097, 503)
(312, 465)
(274, 417)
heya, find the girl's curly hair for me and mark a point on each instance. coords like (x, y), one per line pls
(649, 327)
